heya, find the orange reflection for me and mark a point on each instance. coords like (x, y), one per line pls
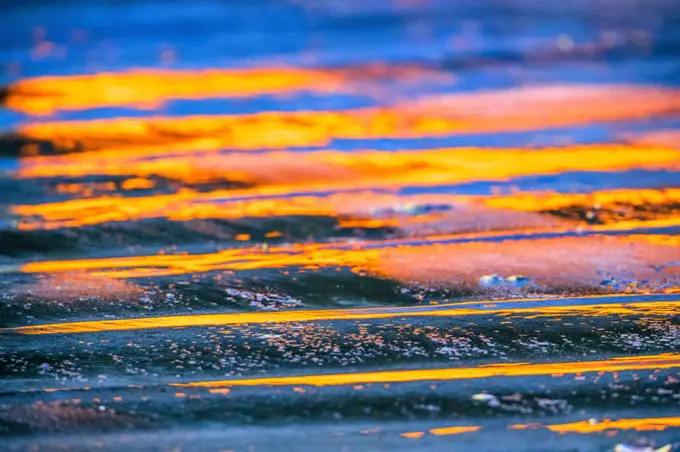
(288, 173)
(87, 189)
(444, 431)
(278, 167)
(509, 309)
(554, 261)
(413, 435)
(534, 202)
(137, 183)
(648, 362)
(584, 427)
(151, 88)
(669, 240)
(515, 109)
(84, 189)
(371, 209)
(454, 430)
(642, 425)
(354, 209)
(368, 223)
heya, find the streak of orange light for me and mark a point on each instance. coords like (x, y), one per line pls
(151, 88)
(508, 110)
(583, 427)
(557, 260)
(618, 364)
(457, 430)
(288, 173)
(588, 426)
(507, 309)
(357, 209)
(533, 202)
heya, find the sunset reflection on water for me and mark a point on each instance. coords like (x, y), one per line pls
(403, 224)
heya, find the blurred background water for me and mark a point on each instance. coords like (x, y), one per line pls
(340, 225)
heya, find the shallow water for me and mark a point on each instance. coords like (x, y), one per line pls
(340, 225)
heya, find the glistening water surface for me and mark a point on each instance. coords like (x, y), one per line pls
(340, 225)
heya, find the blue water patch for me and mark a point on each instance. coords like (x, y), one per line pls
(568, 182)
(533, 138)
(234, 106)
(9, 120)
(8, 164)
